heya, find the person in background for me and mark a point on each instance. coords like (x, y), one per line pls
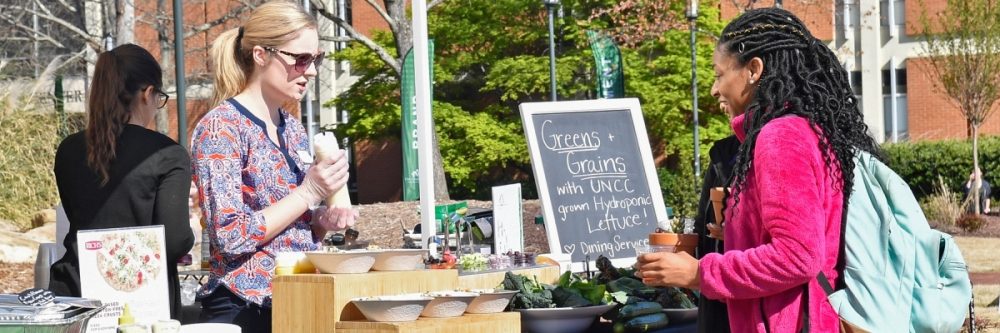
(250, 161)
(117, 173)
(984, 191)
(712, 316)
(800, 126)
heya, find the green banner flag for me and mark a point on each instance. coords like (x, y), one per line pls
(608, 62)
(411, 182)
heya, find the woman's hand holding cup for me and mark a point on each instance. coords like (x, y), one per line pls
(662, 267)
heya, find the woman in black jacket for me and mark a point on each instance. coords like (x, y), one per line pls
(117, 173)
(712, 315)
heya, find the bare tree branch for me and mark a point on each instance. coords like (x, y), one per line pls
(47, 15)
(381, 11)
(213, 23)
(69, 61)
(36, 35)
(336, 39)
(68, 6)
(434, 3)
(378, 49)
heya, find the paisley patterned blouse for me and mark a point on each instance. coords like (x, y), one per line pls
(239, 171)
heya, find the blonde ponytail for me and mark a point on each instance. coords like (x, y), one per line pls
(271, 24)
(231, 70)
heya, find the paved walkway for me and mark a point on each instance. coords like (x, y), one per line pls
(985, 278)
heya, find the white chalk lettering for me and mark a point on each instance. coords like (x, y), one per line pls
(566, 209)
(560, 142)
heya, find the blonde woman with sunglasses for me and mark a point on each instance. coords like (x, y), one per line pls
(258, 192)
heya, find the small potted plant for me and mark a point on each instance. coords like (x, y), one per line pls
(674, 239)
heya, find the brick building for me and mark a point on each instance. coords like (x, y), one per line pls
(877, 48)
(879, 42)
(206, 19)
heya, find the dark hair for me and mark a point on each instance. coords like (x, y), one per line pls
(118, 77)
(801, 77)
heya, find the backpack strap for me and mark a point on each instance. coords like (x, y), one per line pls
(841, 261)
(842, 255)
(824, 283)
(805, 307)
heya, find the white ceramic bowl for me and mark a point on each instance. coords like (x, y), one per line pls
(561, 320)
(448, 304)
(346, 262)
(210, 328)
(392, 308)
(491, 301)
(399, 260)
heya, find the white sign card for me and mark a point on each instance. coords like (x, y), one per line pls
(594, 170)
(508, 229)
(125, 265)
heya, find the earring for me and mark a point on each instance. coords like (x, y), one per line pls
(751, 81)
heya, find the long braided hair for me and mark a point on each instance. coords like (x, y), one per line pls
(801, 77)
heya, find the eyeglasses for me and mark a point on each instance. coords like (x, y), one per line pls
(302, 60)
(163, 97)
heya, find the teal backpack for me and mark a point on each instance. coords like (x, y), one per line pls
(898, 272)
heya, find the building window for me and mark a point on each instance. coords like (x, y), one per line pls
(855, 81)
(848, 12)
(902, 118)
(900, 81)
(899, 129)
(896, 18)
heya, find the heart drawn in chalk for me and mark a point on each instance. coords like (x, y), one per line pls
(569, 249)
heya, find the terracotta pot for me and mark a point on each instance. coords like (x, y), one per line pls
(716, 194)
(680, 242)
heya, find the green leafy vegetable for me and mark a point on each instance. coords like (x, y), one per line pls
(569, 298)
(530, 295)
(570, 291)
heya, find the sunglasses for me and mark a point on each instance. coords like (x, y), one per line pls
(302, 60)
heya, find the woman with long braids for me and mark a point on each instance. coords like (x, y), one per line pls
(800, 127)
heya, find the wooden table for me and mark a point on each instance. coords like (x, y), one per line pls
(310, 303)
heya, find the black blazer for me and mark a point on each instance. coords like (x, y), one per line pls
(148, 184)
(712, 315)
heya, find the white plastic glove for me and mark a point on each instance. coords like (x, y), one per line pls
(335, 218)
(322, 178)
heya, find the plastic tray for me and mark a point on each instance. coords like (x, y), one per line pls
(68, 315)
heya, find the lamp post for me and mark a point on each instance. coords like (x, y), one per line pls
(692, 16)
(551, 5)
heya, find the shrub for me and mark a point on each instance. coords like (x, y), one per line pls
(943, 207)
(679, 191)
(921, 163)
(30, 132)
(971, 222)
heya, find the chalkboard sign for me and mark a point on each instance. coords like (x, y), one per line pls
(595, 176)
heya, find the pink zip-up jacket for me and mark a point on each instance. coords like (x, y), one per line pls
(785, 229)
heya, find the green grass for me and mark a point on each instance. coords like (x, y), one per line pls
(980, 255)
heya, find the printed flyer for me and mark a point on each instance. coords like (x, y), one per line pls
(126, 266)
